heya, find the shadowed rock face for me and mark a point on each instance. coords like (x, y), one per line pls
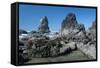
(22, 31)
(70, 21)
(92, 31)
(43, 27)
(70, 26)
(93, 25)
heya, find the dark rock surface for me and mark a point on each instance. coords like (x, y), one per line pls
(71, 26)
(91, 33)
(71, 29)
(93, 25)
(70, 21)
(43, 27)
(22, 31)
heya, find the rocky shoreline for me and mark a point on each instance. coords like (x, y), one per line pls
(43, 43)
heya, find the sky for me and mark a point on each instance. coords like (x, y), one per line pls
(30, 15)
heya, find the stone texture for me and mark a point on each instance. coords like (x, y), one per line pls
(43, 27)
(93, 25)
(22, 31)
(70, 25)
(85, 39)
(69, 22)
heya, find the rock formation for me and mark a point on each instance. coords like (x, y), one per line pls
(91, 33)
(73, 36)
(70, 21)
(70, 25)
(71, 29)
(93, 25)
(90, 47)
(45, 47)
(22, 31)
(43, 27)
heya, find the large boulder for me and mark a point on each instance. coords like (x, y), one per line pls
(87, 49)
(67, 47)
(38, 47)
(43, 27)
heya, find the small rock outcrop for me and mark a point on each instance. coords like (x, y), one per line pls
(22, 31)
(43, 27)
(93, 25)
(91, 33)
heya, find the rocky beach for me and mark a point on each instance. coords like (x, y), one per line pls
(72, 43)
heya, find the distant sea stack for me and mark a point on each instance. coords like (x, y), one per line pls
(43, 27)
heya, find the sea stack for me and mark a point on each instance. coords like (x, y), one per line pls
(43, 27)
(70, 25)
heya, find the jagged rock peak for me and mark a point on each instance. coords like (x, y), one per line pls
(70, 21)
(44, 19)
(43, 27)
(71, 16)
(71, 27)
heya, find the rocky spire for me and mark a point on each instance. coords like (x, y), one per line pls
(71, 27)
(43, 27)
(69, 21)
